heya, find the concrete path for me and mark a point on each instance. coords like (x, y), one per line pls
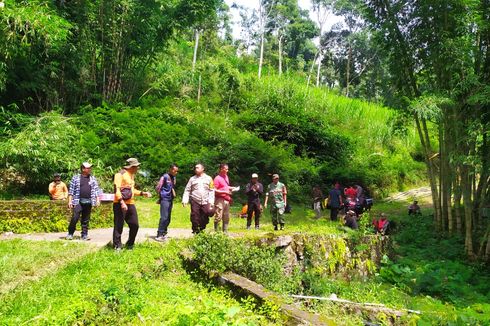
(100, 237)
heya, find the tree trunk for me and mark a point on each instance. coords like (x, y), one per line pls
(443, 191)
(468, 210)
(199, 89)
(457, 203)
(347, 74)
(280, 55)
(196, 47)
(311, 69)
(318, 70)
(261, 56)
(421, 128)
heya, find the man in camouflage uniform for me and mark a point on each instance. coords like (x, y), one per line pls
(278, 193)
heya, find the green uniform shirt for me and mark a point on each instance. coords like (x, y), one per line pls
(276, 194)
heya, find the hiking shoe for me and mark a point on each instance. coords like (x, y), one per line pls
(69, 237)
(161, 238)
(282, 227)
(257, 227)
(117, 249)
(129, 247)
(248, 227)
(85, 238)
(275, 227)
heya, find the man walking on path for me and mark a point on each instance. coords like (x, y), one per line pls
(199, 191)
(223, 192)
(166, 191)
(254, 190)
(123, 206)
(278, 193)
(334, 201)
(57, 188)
(84, 193)
(317, 197)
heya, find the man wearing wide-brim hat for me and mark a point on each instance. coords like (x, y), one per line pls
(124, 203)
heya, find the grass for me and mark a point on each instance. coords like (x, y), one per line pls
(150, 286)
(145, 286)
(23, 261)
(301, 219)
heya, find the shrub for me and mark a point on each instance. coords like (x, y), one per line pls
(217, 253)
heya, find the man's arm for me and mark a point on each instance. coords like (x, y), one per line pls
(65, 191)
(98, 192)
(71, 192)
(187, 192)
(249, 188)
(159, 185)
(117, 185)
(218, 185)
(260, 188)
(211, 193)
(285, 195)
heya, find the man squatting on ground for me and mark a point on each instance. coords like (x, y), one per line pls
(84, 193)
(57, 189)
(199, 191)
(123, 206)
(166, 191)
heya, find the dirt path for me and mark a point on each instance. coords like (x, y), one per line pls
(100, 237)
(422, 193)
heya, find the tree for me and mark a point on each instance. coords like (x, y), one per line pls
(439, 59)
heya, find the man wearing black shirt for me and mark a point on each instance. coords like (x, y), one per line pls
(254, 190)
(84, 193)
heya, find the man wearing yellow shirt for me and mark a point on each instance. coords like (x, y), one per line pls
(124, 208)
(57, 188)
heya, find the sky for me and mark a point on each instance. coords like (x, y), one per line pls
(304, 4)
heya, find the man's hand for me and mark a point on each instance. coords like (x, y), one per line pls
(124, 207)
(147, 194)
(184, 204)
(70, 204)
(97, 203)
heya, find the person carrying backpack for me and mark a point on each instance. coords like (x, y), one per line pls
(166, 191)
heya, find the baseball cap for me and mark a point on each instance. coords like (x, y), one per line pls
(255, 175)
(275, 176)
(86, 165)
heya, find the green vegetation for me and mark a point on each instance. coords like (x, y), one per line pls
(166, 82)
(23, 216)
(22, 261)
(144, 286)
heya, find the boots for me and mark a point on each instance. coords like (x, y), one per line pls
(225, 227)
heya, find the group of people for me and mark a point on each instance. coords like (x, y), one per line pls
(207, 198)
(352, 201)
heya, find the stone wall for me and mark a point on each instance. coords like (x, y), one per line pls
(332, 254)
(25, 216)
